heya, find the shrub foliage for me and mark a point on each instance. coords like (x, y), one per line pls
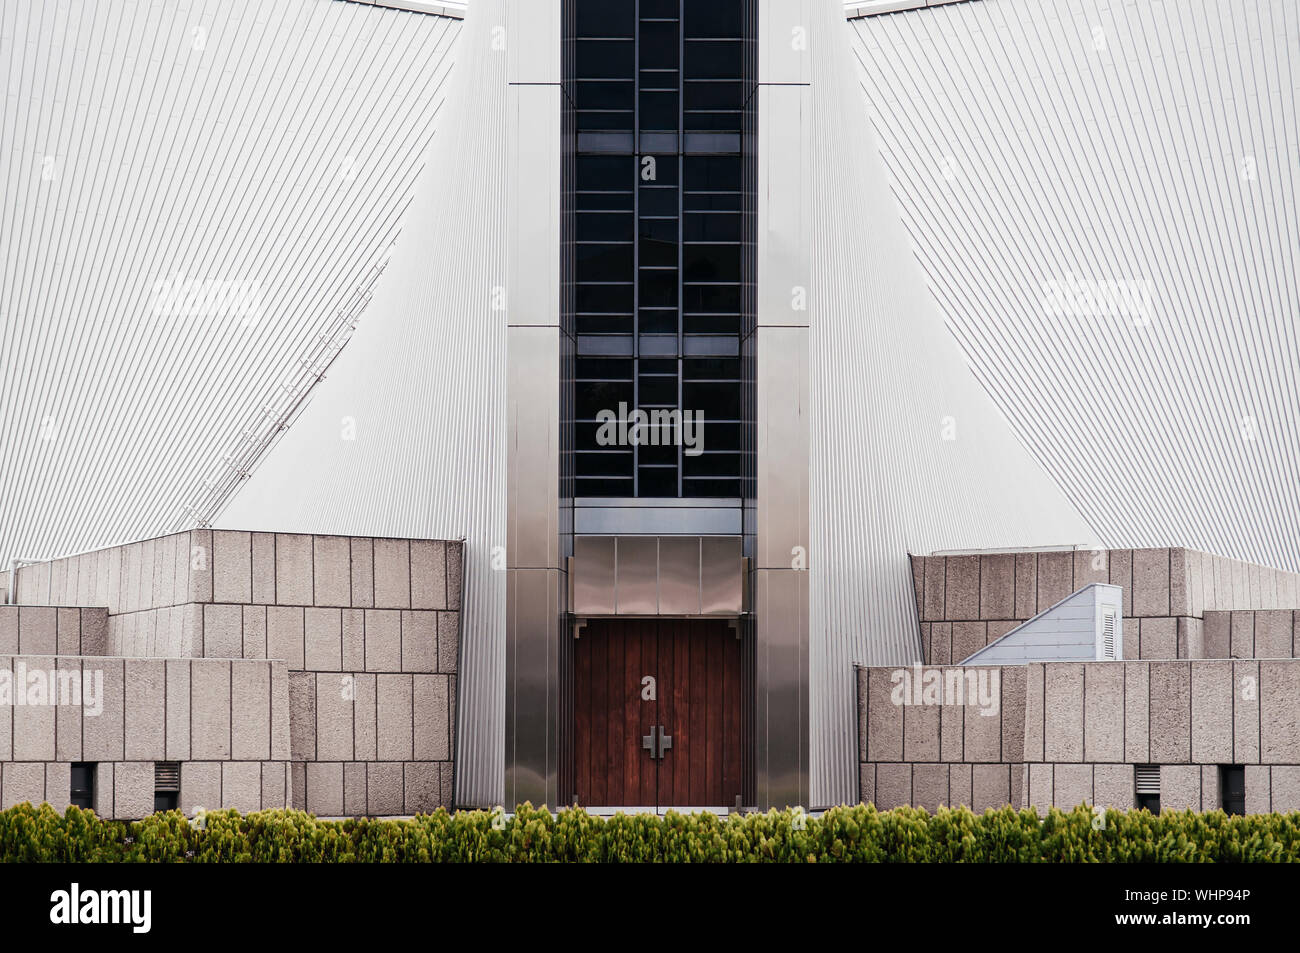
(843, 834)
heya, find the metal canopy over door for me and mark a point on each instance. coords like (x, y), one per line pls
(659, 714)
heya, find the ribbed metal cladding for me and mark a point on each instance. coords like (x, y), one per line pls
(888, 386)
(424, 380)
(1080, 142)
(270, 142)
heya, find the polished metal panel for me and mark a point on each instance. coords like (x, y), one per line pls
(658, 517)
(782, 737)
(538, 351)
(593, 575)
(721, 576)
(679, 575)
(638, 575)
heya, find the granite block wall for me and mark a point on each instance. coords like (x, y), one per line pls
(1071, 732)
(965, 602)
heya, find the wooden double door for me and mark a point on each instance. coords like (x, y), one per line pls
(658, 711)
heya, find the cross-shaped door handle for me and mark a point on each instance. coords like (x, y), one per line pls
(656, 742)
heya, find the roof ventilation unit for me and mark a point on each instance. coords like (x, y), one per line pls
(1086, 626)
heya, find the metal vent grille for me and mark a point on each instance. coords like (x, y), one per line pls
(167, 776)
(1108, 638)
(1148, 779)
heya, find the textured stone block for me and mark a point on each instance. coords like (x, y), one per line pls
(69, 632)
(146, 696)
(1285, 788)
(392, 574)
(133, 789)
(334, 704)
(1259, 795)
(250, 722)
(302, 716)
(298, 785)
(365, 737)
(1063, 707)
(1158, 637)
(241, 786)
(455, 558)
(917, 565)
(1137, 712)
(279, 711)
(1055, 578)
(263, 574)
(1180, 785)
(1121, 574)
(432, 710)
(275, 783)
(885, 719)
(200, 566)
(1073, 786)
(1171, 712)
(33, 713)
(8, 630)
(1035, 715)
(423, 787)
(1191, 639)
(1212, 712)
(324, 640)
(419, 641)
(58, 785)
(325, 789)
(428, 574)
(354, 789)
(67, 719)
(962, 588)
(22, 781)
(38, 632)
(1026, 585)
(232, 566)
(1210, 794)
(990, 786)
(941, 643)
(935, 580)
(383, 640)
(930, 786)
(998, 586)
(1090, 565)
(1179, 600)
(101, 735)
(1245, 712)
(1273, 634)
(395, 739)
(284, 635)
(1113, 786)
(1279, 712)
(967, 639)
(104, 790)
(893, 785)
(384, 788)
(354, 640)
(178, 710)
(952, 733)
(332, 556)
(1012, 704)
(1103, 716)
(959, 785)
(293, 569)
(363, 573)
(223, 631)
(254, 632)
(1151, 582)
(210, 709)
(920, 732)
(983, 716)
(1242, 634)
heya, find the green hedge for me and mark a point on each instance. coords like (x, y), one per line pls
(842, 834)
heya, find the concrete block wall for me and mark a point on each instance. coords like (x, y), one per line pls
(52, 630)
(1246, 634)
(231, 714)
(965, 602)
(1082, 727)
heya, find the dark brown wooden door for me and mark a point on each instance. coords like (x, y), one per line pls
(695, 698)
